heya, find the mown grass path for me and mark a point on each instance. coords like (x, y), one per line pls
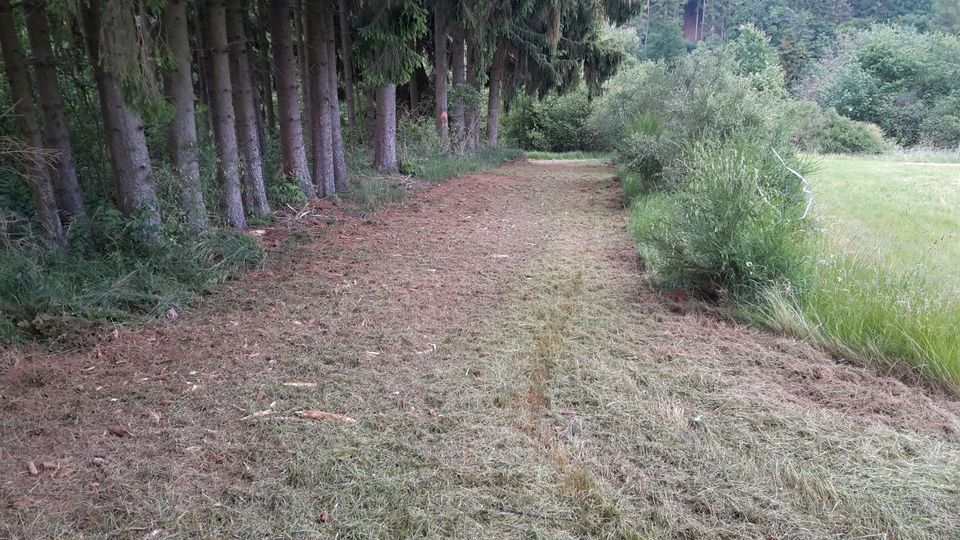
(510, 376)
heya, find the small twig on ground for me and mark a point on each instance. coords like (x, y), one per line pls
(258, 414)
(323, 415)
(296, 384)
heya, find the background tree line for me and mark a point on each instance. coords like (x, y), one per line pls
(141, 137)
(129, 102)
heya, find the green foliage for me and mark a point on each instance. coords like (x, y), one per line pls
(665, 42)
(752, 50)
(830, 133)
(370, 194)
(435, 168)
(714, 208)
(901, 80)
(552, 124)
(111, 273)
(735, 229)
(388, 27)
(940, 128)
(844, 136)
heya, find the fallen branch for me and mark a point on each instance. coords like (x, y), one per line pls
(258, 414)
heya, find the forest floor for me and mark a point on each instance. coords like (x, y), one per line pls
(503, 371)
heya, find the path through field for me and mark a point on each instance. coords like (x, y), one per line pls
(510, 376)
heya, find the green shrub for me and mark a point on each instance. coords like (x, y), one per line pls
(897, 78)
(552, 124)
(735, 229)
(844, 136)
(941, 128)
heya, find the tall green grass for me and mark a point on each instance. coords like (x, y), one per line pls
(111, 274)
(435, 166)
(574, 154)
(861, 308)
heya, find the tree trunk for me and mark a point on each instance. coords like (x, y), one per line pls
(253, 63)
(386, 134)
(440, 75)
(203, 56)
(371, 119)
(324, 175)
(291, 130)
(472, 114)
(346, 52)
(264, 75)
(459, 67)
(496, 82)
(38, 171)
(304, 63)
(247, 131)
(123, 125)
(182, 133)
(336, 126)
(222, 115)
(65, 184)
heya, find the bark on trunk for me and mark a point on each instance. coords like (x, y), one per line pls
(440, 76)
(471, 113)
(38, 171)
(65, 184)
(320, 100)
(459, 68)
(303, 63)
(182, 134)
(493, 104)
(264, 75)
(247, 130)
(222, 115)
(371, 119)
(126, 140)
(291, 130)
(253, 62)
(340, 179)
(346, 52)
(386, 135)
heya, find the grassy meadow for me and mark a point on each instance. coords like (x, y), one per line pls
(905, 213)
(884, 286)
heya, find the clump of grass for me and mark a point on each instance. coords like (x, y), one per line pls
(891, 318)
(370, 194)
(111, 273)
(734, 225)
(573, 154)
(436, 167)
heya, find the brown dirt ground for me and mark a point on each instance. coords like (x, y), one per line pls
(344, 297)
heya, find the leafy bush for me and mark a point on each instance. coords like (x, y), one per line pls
(714, 208)
(734, 230)
(552, 124)
(941, 128)
(844, 136)
(897, 78)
